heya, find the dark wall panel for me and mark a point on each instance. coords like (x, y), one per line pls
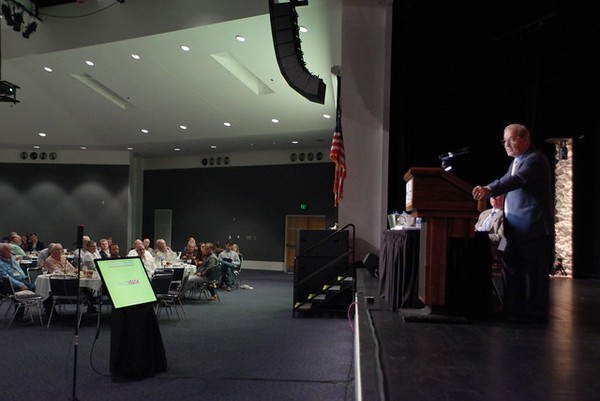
(246, 204)
(53, 200)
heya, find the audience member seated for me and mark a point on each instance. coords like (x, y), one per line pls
(43, 255)
(84, 240)
(104, 251)
(163, 255)
(57, 261)
(190, 240)
(190, 253)
(10, 270)
(146, 243)
(230, 261)
(146, 257)
(35, 245)
(88, 255)
(113, 250)
(133, 250)
(25, 243)
(491, 220)
(206, 264)
(15, 245)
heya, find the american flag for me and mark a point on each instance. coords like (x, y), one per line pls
(336, 153)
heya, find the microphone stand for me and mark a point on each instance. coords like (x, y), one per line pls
(76, 339)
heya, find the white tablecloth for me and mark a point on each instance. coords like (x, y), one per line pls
(188, 268)
(42, 284)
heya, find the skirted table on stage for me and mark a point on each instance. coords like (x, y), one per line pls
(399, 268)
(468, 290)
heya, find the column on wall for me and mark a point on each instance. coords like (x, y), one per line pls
(563, 218)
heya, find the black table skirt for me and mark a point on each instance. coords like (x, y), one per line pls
(399, 269)
(136, 350)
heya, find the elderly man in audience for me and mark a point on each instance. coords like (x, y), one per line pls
(230, 261)
(88, 255)
(163, 255)
(11, 271)
(146, 257)
(15, 245)
(84, 240)
(146, 242)
(133, 250)
(57, 261)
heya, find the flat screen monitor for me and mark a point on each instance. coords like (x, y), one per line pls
(126, 281)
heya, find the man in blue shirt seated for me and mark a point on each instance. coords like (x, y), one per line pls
(230, 261)
(11, 271)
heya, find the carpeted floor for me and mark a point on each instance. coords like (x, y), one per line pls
(246, 347)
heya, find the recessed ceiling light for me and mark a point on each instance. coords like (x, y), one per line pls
(48, 69)
(129, 148)
(295, 142)
(240, 38)
(177, 149)
(274, 120)
(144, 131)
(42, 134)
(227, 124)
(90, 63)
(135, 56)
(185, 48)
(213, 146)
(83, 148)
(326, 115)
(36, 146)
(302, 29)
(183, 127)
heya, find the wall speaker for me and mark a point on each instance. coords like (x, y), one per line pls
(286, 39)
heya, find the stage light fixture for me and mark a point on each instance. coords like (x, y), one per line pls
(29, 29)
(7, 12)
(17, 21)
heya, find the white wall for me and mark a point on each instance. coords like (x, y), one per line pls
(366, 33)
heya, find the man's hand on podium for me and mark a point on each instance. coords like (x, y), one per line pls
(480, 192)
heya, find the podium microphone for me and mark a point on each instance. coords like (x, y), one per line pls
(451, 155)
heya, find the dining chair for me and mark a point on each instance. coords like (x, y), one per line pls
(64, 291)
(161, 284)
(24, 299)
(178, 273)
(203, 289)
(237, 274)
(33, 273)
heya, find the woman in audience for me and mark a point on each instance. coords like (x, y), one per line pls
(57, 261)
(190, 253)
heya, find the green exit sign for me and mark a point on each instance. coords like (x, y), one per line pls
(303, 206)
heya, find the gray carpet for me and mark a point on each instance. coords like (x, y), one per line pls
(246, 347)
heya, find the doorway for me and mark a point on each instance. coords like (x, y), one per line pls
(292, 225)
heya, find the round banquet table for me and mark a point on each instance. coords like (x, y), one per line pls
(42, 283)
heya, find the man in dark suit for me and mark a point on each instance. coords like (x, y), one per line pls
(528, 226)
(35, 244)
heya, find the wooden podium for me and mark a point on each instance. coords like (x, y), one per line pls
(446, 206)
